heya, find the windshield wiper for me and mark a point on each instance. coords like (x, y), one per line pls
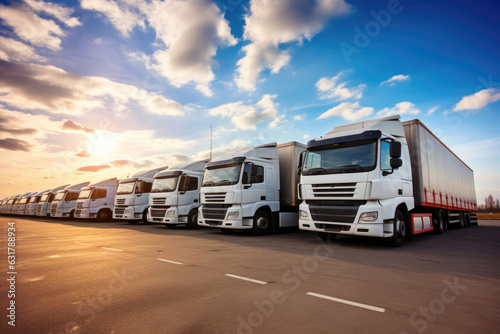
(351, 168)
(208, 183)
(223, 182)
(319, 170)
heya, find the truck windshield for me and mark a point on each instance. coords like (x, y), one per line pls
(167, 184)
(351, 157)
(84, 194)
(22, 201)
(59, 197)
(44, 198)
(221, 175)
(125, 188)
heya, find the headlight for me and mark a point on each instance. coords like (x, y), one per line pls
(170, 213)
(303, 214)
(128, 210)
(232, 215)
(368, 217)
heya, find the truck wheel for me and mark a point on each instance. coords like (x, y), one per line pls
(103, 216)
(192, 220)
(467, 220)
(145, 217)
(327, 236)
(170, 226)
(261, 223)
(439, 223)
(72, 214)
(399, 230)
(461, 224)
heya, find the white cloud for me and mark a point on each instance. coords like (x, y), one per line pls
(331, 88)
(478, 100)
(270, 23)
(10, 49)
(234, 146)
(188, 34)
(432, 110)
(306, 136)
(60, 12)
(348, 111)
(32, 28)
(392, 80)
(30, 86)
(299, 117)
(400, 109)
(246, 117)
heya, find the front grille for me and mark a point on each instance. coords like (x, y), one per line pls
(334, 211)
(215, 197)
(39, 209)
(159, 212)
(334, 189)
(159, 200)
(78, 212)
(53, 209)
(214, 211)
(79, 205)
(119, 211)
(333, 227)
(120, 201)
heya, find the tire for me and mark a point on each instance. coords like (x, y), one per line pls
(261, 223)
(103, 216)
(439, 225)
(72, 215)
(170, 226)
(145, 217)
(326, 237)
(461, 224)
(192, 220)
(467, 220)
(400, 229)
(226, 230)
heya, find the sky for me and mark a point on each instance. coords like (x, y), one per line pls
(94, 89)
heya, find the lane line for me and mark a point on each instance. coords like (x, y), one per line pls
(246, 279)
(169, 261)
(348, 302)
(82, 243)
(113, 249)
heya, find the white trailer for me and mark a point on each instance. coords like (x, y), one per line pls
(64, 203)
(96, 201)
(384, 178)
(32, 204)
(43, 208)
(255, 189)
(132, 196)
(175, 196)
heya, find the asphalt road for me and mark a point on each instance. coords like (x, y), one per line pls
(84, 277)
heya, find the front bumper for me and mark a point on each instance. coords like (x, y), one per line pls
(126, 213)
(208, 218)
(84, 214)
(161, 215)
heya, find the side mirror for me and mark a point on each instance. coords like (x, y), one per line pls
(183, 186)
(299, 164)
(395, 150)
(245, 178)
(396, 162)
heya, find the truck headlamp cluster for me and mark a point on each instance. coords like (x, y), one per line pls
(303, 214)
(170, 213)
(232, 215)
(368, 217)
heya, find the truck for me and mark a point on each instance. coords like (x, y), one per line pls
(19, 208)
(174, 196)
(132, 196)
(43, 208)
(64, 203)
(254, 189)
(32, 204)
(96, 201)
(383, 178)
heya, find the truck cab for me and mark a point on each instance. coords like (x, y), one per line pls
(174, 196)
(20, 207)
(32, 204)
(43, 208)
(96, 201)
(132, 196)
(64, 203)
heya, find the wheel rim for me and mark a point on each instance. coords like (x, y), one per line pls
(262, 223)
(400, 228)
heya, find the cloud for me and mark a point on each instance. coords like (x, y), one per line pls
(13, 144)
(271, 23)
(83, 154)
(31, 27)
(10, 49)
(235, 146)
(391, 81)
(432, 110)
(9, 129)
(60, 12)
(71, 125)
(399, 109)
(120, 163)
(188, 35)
(348, 111)
(478, 100)
(306, 136)
(299, 117)
(93, 169)
(331, 88)
(32, 86)
(246, 117)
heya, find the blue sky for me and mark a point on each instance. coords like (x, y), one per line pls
(94, 89)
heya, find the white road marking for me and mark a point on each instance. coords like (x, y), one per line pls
(82, 243)
(246, 279)
(113, 249)
(348, 302)
(169, 261)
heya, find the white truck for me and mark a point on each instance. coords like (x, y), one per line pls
(174, 196)
(64, 204)
(32, 203)
(7, 208)
(383, 178)
(96, 201)
(19, 208)
(43, 208)
(132, 196)
(255, 189)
